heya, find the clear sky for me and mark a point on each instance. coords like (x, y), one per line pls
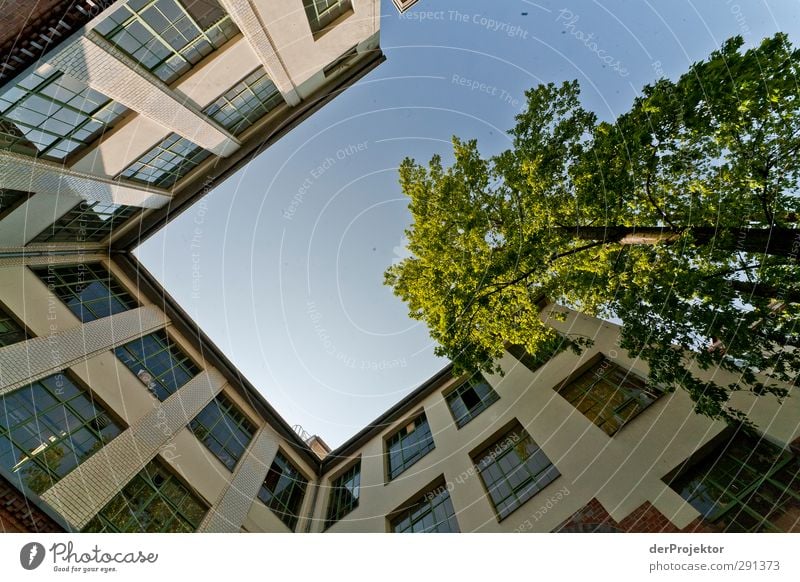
(282, 265)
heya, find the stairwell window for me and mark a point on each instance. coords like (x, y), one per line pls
(408, 445)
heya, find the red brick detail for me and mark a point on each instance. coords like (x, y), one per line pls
(18, 515)
(644, 519)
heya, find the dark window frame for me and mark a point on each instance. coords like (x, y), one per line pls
(57, 280)
(487, 461)
(410, 453)
(230, 417)
(473, 412)
(76, 404)
(154, 493)
(636, 390)
(422, 504)
(7, 315)
(338, 507)
(281, 507)
(65, 227)
(737, 494)
(186, 362)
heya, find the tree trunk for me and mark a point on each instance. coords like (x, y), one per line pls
(784, 242)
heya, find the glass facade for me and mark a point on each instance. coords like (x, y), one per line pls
(223, 428)
(48, 428)
(167, 162)
(608, 395)
(431, 513)
(283, 490)
(88, 290)
(408, 445)
(52, 115)
(321, 13)
(746, 485)
(86, 222)
(514, 469)
(245, 103)
(345, 490)
(158, 362)
(470, 399)
(155, 500)
(11, 332)
(168, 37)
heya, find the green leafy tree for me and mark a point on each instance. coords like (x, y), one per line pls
(679, 218)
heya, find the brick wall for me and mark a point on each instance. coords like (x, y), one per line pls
(18, 515)
(644, 519)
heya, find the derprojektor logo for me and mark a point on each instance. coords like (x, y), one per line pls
(31, 555)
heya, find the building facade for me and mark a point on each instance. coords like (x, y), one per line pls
(118, 413)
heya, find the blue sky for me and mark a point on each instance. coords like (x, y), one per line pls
(283, 264)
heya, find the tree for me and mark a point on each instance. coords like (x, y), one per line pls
(679, 218)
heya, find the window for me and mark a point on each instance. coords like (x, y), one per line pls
(168, 37)
(431, 513)
(322, 13)
(158, 362)
(11, 332)
(345, 490)
(547, 351)
(48, 428)
(86, 222)
(245, 103)
(10, 199)
(154, 501)
(283, 490)
(746, 485)
(224, 430)
(470, 399)
(88, 290)
(167, 162)
(514, 469)
(408, 445)
(53, 115)
(341, 62)
(608, 395)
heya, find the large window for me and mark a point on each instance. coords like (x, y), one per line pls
(86, 222)
(167, 162)
(283, 490)
(345, 490)
(54, 113)
(155, 500)
(745, 485)
(408, 445)
(11, 332)
(608, 395)
(223, 428)
(48, 428)
(321, 13)
(158, 362)
(470, 399)
(514, 469)
(430, 513)
(168, 37)
(88, 290)
(245, 103)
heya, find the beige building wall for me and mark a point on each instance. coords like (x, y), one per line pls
(622, 471)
